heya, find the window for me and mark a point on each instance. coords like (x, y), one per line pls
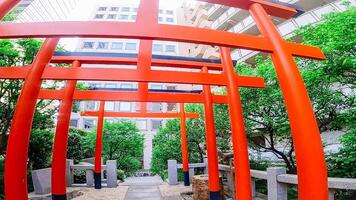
(135, 9)
(170, 48)
(125, 9)
(160, 11)
(169, 12)
(160, 19)
(157, 47)
(155, 107)
(88, 45)
(133, 17)
(130, 46)
(88, 123)
(126, 85)
(124, 17)
(90, 106)
(102, 8)
(103, 45)
(156, 124)
(169, 19)
(114, 9)
(110, 85)
(112, 16)
(99, 16)
(142, 124)
(109, 105)
(117, 45)
(74, 123)
(125, 106)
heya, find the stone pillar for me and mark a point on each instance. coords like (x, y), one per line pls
(206, 165)
(172, 172)
(89, 177)
(253, 187)
(331, 194)
(191, 174)
(276, 190)
(69, 173)
(111, 173)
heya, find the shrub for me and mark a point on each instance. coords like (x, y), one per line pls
(40, 149)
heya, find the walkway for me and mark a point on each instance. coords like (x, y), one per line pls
(144, 188)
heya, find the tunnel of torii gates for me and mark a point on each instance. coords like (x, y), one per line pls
(312, 175)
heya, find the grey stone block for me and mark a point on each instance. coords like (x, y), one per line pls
(69, 173)
(172, 172)
(276, 190)
(111, 172)
(42, 180)
(89, 177)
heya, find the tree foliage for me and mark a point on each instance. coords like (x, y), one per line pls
(122, 141)
(167, 142)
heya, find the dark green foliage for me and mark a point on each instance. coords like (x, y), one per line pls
(40, 149)
(75, 144)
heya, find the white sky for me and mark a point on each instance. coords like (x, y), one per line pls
(85, 9)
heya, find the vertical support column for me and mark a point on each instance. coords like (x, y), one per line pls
(213, 165)
(17, 148)
(61, 140)
(239, 138)
(98, 146)
(306, 136)
(184, 142)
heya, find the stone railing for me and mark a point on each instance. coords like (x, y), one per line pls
(88, 167)
(277, 179)
(173, 167)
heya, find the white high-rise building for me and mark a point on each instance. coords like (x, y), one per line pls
(126, 12)
(205, 15)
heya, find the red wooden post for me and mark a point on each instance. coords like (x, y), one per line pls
(17, 147)
(239, 138)
(213, 165)
(59, 157)
(184, 143)
(312, 173)
(98, 146)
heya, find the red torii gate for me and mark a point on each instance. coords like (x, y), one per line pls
(101, 113)
(306, 136)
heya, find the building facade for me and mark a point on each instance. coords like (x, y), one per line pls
(127, 13)
(219, 17)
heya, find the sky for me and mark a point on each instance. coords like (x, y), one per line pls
(85, 9)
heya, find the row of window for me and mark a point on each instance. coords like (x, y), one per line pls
(126, 17)
(141, 124)
(128, 46)
(128, 9)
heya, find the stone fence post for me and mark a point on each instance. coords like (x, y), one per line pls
(276, 190)
(111, 172)
(172, 172)
(69, 173)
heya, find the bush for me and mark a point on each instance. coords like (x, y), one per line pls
(75, 144)
(120, 174)
(40, 149)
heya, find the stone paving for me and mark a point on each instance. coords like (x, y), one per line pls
(145, 188)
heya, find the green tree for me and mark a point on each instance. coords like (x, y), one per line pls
(167, 142)
(122, 141)
(75, 149)
(329, 83)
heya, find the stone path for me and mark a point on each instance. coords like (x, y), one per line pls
(144, 188)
